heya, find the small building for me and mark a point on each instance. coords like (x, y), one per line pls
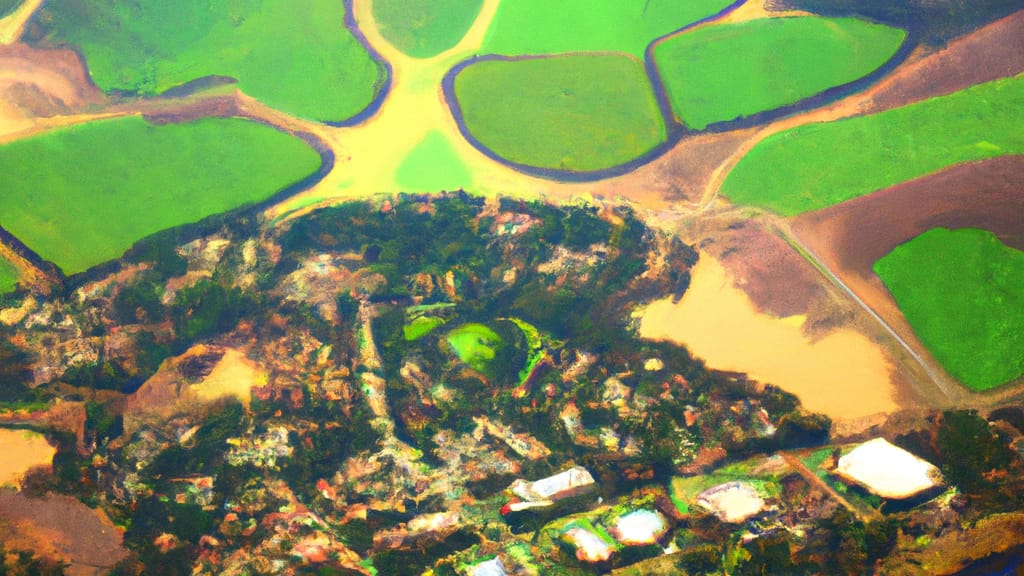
(547, 491)
(732, 502)
(640, 527)
(888, 471)
(492, 567)
(589, 543)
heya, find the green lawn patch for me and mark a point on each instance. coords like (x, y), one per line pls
(433, 165)
(303, 61)
(83, 195)
(8, 276)
(523, 27)
(425, 28)
(963, 293)
(818, 165)
(581, 112)
(721, 73)
(475, 344)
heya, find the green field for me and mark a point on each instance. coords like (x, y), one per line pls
(433, 165)
(83, 195)
(425, 28)
(475, 344)
(720, 73)
(523, 27)
(963, 293)
(580, 112)
(304, 62)
(8, 276)
(818, 165)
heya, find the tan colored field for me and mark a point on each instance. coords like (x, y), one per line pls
(234, 376)
(22, 450)
(842, 374)
(63, 529)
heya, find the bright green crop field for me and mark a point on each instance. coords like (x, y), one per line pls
(475, 344)
(724, 72)
(83, 195)
(963, 293)
(8, 276)
(425, 28)
(431, 166)
(818, 165)
(581, 112)
(523, 27)
(302, 61)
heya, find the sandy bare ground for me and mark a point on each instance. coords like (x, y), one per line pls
(22, 450)
(187, 385)
(60, 528)
(850, 237)
(844, 374)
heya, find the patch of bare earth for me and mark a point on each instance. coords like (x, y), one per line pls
(43, 83)
(849, 238)
(679, 176)
(60, 528)
(192, 385)
(993, 51)
(777, 280)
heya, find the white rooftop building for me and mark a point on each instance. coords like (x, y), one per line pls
(888, 471)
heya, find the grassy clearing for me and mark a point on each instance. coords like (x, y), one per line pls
(425, 28)
(433, 165)
(523, 27)
(475, 344)
(305, 62)
(579, 112)
(83, 195)
(8, 276)
(720, 73)
(963, 293)
(818, 165)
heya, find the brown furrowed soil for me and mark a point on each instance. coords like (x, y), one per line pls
(850, 237)
(988, 194)
(994, 51)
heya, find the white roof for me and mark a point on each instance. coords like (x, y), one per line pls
(589, 546)
(732, 502)
(492, 567)
(639, 527)
(888, 471)
(544, 489)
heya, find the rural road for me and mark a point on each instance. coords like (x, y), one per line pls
(948, 392)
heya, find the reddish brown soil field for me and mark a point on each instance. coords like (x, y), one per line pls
(45, 82)
(987, 194)
(850, 237)
(60, 528)
(992, 52)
